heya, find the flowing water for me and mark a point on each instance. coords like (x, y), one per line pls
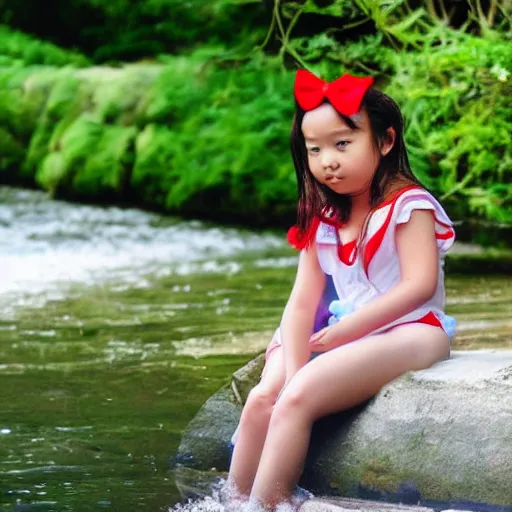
(117, 324)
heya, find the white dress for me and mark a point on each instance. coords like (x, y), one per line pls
(358, 278)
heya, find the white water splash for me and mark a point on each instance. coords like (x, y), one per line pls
(207, 504)
(224, 498)
(210, 504)
(47, 244)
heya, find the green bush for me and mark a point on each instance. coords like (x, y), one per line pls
(84, 142)
(21, 103)
(151, 179)
(11, 157)
(92, 160)
(65, 100)
(226, 148)
(456, 102)
(207, 135)
(122, 30)
(18, 49)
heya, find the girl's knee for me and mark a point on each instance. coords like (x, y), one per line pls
(262, 396)
(292, 404)
(259, 404)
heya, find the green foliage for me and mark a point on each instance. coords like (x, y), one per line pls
(22, 98)
(20, 49)
(65, 100)
(20, 101)
(237, 150)
(83, 144)
(116, 95)
(177, 91)
(151, 178)
(11, 156)
(92, 161)
(456, 100)
(52, 172)
(183, 137)
(11, 149)
(207, 133)
(227, 147)
(122, 30)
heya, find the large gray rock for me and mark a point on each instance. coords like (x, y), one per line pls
(351, 505)
(437, 436)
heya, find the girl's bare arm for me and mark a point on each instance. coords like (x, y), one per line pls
(299, 314)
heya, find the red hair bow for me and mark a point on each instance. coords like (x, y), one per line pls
(345, 94)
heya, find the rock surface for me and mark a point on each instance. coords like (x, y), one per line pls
(351, 505)
(436, 437)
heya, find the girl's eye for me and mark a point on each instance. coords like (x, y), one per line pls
(313, 149)
(342, 144)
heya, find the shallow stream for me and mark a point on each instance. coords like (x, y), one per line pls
(117, 324)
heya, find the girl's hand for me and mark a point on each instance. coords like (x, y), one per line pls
(320, 338)
(327, 338)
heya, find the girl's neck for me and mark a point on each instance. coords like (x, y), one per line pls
(360, 204)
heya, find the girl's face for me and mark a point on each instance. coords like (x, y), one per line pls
(343, 159)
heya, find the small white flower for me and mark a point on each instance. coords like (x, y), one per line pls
(500, 73)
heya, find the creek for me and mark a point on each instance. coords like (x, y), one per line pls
(117, 324)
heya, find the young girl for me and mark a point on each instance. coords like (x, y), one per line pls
(366, 223)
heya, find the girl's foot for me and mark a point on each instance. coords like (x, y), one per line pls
(230, 498)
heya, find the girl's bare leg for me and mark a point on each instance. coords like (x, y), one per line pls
(254, 424)
(335, 381)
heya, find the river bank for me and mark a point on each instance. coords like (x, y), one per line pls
(191, 136)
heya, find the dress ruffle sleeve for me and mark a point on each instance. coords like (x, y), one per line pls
(422, 200)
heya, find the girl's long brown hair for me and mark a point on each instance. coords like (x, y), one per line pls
(314, 198)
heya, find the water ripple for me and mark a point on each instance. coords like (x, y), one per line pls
(45, 242)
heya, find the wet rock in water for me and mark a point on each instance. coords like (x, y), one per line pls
(246, 377)
(440, 437)
(206, 443)
(354, 505)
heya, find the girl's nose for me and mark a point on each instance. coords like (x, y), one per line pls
(329, 160)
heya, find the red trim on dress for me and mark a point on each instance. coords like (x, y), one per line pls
(445, 236)
(444, 224)
(301, 242)
(430, 319)
(449, 233)
(347, 253)
(374, 243)
(397, 194)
